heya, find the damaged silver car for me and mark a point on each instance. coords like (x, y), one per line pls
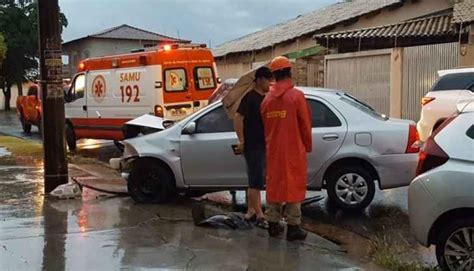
(354, 148)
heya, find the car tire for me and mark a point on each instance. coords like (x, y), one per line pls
(350, 188)
(452, 232)
(25, 125)
(70, 137)
(150, 182)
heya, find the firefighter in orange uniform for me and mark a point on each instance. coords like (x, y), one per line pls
(287, 122)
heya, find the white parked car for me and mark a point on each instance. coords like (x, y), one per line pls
(452, 87)
(441, 199)
(353, 148)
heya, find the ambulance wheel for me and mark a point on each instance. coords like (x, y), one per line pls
(151, 182)
(350, 188)
(130, 131)
(70, 137)
(25, 125)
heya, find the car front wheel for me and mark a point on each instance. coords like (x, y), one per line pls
(150, 182)
(455, 246)
(351, 188)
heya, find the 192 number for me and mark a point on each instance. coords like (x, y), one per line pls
(127, 93)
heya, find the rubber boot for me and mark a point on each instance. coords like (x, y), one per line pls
(274, 229)
(295, 233)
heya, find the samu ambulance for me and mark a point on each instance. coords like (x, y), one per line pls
(171, 82)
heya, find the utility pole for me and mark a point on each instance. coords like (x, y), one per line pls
(55, 165)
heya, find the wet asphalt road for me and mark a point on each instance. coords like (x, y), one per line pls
(101, 232)
(100, 149)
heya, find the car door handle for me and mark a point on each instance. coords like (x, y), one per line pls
(84, 107)
(330, 137)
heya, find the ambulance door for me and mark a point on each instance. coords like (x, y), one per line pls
(76, 100)
(101, 107)
(177, 94)
(205, 83)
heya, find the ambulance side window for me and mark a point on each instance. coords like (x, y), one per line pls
(175, 80)
(215, 121)
(204, 78)
(78, 87)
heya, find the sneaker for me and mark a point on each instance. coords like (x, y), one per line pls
(295, 233)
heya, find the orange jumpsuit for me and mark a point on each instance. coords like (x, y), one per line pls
(287, 122)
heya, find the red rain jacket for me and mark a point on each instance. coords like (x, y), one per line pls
(287, 121)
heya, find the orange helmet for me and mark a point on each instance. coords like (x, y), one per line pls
(280, 63)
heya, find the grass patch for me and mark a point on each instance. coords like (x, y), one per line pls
(393, 247)
(20, 147)
(392, 257)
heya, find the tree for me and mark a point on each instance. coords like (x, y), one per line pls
(3, 49)
(19, 26)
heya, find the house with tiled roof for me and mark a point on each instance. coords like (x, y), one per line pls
(116, 40)
(393, 66)
(294, 38)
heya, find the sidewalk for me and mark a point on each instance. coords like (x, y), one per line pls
(104, 232)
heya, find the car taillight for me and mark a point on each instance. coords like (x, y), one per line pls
(430, 157)
(413, 140)
(159, 111)
(426, 100)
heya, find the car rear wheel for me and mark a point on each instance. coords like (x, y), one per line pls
(150, 182)
(70, 137)
(455, 246)
(351, 188)
(25, 125)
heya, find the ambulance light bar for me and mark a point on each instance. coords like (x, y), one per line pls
(82, 66)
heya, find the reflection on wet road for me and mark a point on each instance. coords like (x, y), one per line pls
(109, 233)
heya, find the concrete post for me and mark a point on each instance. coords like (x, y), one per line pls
(396, 82)
(466, 52)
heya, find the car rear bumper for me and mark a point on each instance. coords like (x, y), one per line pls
(421, 209)
(396, 170)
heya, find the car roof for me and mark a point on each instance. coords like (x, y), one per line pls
(323, 92)
(451, 71)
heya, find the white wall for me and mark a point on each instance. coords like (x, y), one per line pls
(12, 100)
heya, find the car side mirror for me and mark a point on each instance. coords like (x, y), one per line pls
(190, 128)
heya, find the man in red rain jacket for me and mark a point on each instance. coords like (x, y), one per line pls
(287, 122)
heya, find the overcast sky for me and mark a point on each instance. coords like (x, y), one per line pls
(202, 21)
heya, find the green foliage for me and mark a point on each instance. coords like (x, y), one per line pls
(3, 49)
(19, 26)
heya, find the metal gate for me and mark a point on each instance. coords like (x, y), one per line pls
(420, 66)
(365, 75)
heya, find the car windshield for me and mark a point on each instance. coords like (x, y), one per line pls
(362, 106)
(455, 81)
